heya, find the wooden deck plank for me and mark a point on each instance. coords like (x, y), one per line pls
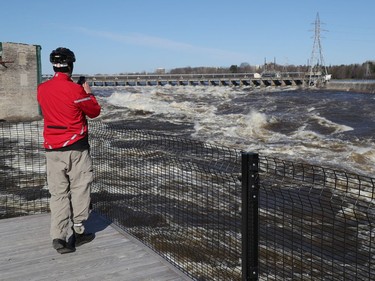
(26, 253)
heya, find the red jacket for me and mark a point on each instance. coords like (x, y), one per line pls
(65, 106)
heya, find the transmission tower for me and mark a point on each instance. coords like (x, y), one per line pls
(368, 72)
(317, 69)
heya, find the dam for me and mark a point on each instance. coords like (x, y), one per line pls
(225, 79)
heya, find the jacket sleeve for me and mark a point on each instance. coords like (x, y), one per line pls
(88, 104)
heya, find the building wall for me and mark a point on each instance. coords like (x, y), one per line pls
(19, 78)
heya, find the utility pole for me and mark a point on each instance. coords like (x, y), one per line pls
(317, 68)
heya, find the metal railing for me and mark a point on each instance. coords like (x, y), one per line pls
(213, 212)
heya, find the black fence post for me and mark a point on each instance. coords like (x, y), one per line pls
(250, 203)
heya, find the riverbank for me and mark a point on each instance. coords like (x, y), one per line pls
(360, 86)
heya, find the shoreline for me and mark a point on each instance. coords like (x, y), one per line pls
(365, 86)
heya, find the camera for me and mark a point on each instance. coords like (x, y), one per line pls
(81, 80)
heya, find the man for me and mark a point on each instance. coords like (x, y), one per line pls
(65, 105)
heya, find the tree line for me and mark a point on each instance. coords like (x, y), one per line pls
(365, 70)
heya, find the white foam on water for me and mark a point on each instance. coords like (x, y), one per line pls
(139, 102)
(253, 127)
(338, 128)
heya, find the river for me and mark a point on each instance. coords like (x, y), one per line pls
(321, 127)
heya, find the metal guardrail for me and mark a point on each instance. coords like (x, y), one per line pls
(213, 212)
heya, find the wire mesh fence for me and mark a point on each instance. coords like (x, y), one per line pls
(184, 199)
(315, 223)
(180, 197)
(22, 170)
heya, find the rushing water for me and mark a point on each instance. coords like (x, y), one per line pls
(326, 128)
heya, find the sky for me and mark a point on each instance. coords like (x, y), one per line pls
(126, 36)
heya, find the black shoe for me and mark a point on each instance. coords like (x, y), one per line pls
(83, 238)
(62, 247)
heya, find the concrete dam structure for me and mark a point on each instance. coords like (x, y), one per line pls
(228, 79)
(20, 74)
(360, 86)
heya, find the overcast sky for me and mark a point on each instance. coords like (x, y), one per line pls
(124, 36)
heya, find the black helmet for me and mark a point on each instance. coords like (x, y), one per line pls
(61, 57)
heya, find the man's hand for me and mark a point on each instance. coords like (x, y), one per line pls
(87, 88)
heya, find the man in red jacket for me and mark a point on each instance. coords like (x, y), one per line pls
(65, 105)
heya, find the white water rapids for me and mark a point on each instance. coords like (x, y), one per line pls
(330, 129)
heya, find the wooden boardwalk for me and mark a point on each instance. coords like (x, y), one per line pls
(26, 253)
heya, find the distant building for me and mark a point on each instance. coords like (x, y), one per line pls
(160, 71)
(20, 74)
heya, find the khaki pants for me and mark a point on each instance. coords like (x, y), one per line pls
(69, 174)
